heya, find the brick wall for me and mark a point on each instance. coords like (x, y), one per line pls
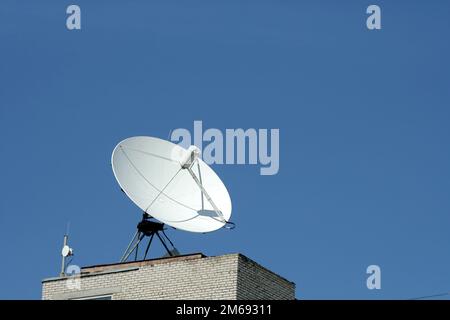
(254, 282)
(231, 276)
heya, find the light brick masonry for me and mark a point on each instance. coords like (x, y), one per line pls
(230, 277)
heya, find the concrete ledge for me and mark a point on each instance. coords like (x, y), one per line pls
(82, 275)
(150, 262)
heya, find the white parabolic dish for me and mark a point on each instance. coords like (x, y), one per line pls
(149, 170)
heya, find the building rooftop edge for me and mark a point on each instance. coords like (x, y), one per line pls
(133, 265)
(140, 263)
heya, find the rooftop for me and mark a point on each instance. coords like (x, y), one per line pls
(134, 265)
(140, 263)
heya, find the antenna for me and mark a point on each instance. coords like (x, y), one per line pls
(65, 252)
(172, 185)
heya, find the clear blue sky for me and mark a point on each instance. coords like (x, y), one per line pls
(364, 134)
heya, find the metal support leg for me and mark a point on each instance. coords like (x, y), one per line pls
(148, 246)
(136, 251)
(164, 244)
(165, 235)
(129, 246)
(140, 237)
(216, 209)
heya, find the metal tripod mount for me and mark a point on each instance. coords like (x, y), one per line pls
(148, 228)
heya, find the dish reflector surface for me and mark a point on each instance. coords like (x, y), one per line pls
(149, 170)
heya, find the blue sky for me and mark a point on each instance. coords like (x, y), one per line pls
(364, 136)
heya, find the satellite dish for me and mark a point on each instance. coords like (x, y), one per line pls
(66, 251)
(171, 184)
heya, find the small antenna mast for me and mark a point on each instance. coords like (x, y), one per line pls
(63, 261)
(66, 251)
